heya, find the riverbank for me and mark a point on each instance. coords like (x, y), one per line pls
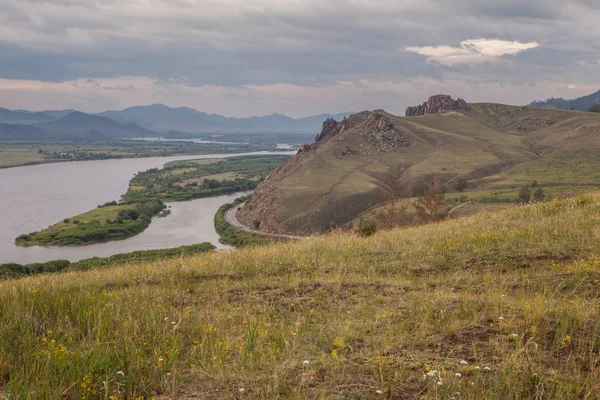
(73, 188)
(176, 181)
(14, 270)
(111, 221)
(231, 234)
(22, 153)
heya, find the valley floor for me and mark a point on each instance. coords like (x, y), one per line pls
(493, 306)
(14, 154)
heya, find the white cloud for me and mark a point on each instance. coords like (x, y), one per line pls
(473, 51)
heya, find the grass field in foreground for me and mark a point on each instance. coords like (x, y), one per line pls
(493, 306)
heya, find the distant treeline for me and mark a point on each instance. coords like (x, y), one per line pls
(14, 270)
(230, 234)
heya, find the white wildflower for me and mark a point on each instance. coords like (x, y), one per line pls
(487, 369)
(121, 373)
(173, 323)
(306, 362)
(439, 383)
(477, 368)
(458, 375)
(379, 391)
(500, 318)
(463, 362)
(242, 390)
(433, 372)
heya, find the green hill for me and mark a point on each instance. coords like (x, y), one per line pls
(343, 173)
(494, 306)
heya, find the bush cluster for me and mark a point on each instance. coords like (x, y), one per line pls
(14, 270)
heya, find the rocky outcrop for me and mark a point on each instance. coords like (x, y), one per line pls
(380, 134)
(438, 104)
(331, 127)
(347, 151)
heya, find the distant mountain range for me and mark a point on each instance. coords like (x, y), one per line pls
(578, 104)
(26, 125)
(22, 117)
(154, 120)
(85, 126)
(161, 118)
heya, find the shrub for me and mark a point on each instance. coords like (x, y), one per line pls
(539, 194)
(431, 205)
(23, 238)
(461, 185)
(366, 228)
(525, 195)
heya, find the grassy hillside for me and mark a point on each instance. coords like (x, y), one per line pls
(490, 145)
(492, 306)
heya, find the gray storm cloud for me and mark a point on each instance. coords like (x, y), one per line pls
(261, 56)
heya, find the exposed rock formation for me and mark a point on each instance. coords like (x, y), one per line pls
(438, 104)
(381, 134)
(347, 151)
(369, 131)
(331, 127)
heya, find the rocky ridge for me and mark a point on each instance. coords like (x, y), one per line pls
(371, 131)
(438, 104)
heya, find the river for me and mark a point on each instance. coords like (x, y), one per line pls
(283, 146)
(34, 197)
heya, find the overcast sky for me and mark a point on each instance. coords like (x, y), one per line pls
(296, 57)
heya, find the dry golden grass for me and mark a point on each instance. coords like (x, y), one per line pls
(500, 306)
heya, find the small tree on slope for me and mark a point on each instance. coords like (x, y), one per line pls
(431, 205)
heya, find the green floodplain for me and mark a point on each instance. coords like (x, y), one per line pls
(148, 190)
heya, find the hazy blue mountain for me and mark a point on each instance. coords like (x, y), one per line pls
(147, 120)
(58, 113)
(78, 125)
(161, 118)
(23, 132)
(22, 116)
(578, 104)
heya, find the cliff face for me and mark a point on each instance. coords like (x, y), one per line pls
(331, 127)
(438, 104)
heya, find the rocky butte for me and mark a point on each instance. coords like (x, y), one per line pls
(438, 104)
